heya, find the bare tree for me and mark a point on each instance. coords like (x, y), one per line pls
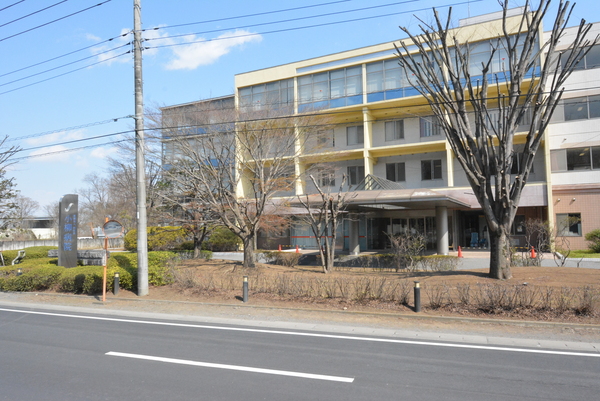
(323, 214)
(234, 163)
(481, 105)
(7, 185)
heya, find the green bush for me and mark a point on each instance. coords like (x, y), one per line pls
(38, 279)
(222, 239)
(34, 252)
(158, 271)
(88, 279)
(159, 238)
(594, 238)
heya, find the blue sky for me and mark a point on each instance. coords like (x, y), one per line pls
(89, 79)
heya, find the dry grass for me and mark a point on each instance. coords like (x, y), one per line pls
(564, 294)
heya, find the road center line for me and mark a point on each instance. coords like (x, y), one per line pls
(319, 335)
(233, 367)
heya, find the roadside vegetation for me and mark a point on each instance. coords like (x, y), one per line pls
(368, 281)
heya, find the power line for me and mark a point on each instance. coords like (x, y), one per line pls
(63, 65)
(63, 55)
(53, 21)
(68, 129)
(33, 13)
(65, 73)
(10, 5)
(246, 16)
(302, 27)
(287, 20)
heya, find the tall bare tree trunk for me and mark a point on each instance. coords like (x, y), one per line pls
(500, 255)
(249, 259)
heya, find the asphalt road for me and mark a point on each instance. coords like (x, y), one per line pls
(60, 355)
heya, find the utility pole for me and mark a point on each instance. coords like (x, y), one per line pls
(140, 164)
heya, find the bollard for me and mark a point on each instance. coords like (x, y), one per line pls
(245, 290)
(417, 297)
(19, 271)
(116, 284)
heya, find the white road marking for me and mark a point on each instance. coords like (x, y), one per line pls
(234, 367)
(319, 335)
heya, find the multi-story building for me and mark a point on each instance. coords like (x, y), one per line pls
(574, 138)
(401, 170)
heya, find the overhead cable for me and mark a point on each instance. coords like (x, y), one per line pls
(53, 21)
(65, 73)
(245, 16)
(33, 13)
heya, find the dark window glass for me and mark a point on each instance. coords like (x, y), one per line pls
(594, 106)
(596, 157)
(576, 109)
(578, 159)
(355, 174)
(431, 169)
(394, 130)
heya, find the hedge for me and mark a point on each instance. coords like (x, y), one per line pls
(159, 238)
(42, 273)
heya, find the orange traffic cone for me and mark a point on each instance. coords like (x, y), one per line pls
(297, 249)
(460, 252)
(533, 255)
(279, 248)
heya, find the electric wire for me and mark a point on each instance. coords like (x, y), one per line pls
(63, 65)
(65, 73)
(40, 134)
(53, 21)
(10, 5)
(63, 55)
(299, 28)
(245, 16)
(33, 13)
(284, 21)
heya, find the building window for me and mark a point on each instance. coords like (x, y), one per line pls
(518, 226)
(582, 108)
(326, 178)
(326, 139)
(395, 172)
(589, 61)
(431, 170)
(517, 164)
(430, 126)
(271, 95)
(568, 224)
(330, 89)
(574, 159)
(355, 174)
(355, 135)
(394, 130)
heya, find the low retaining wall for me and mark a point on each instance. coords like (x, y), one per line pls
(82, 243)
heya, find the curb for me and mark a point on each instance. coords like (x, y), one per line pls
(414, 316)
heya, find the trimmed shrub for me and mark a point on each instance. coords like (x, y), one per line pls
(439, 263)
(222, 239)
(159, 238)
(33, 280)
(34, 252)
(594, 238)
(88, 279)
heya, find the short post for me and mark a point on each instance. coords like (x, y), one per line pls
(116, 284)
(245, 290)
(19, 271)
(417, 297)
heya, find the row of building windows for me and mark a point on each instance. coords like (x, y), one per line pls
(586, 158)
(582, 108)
(384, 80)
(589, 61)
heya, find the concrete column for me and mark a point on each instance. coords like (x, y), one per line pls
(354, 244)
(441, 223)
